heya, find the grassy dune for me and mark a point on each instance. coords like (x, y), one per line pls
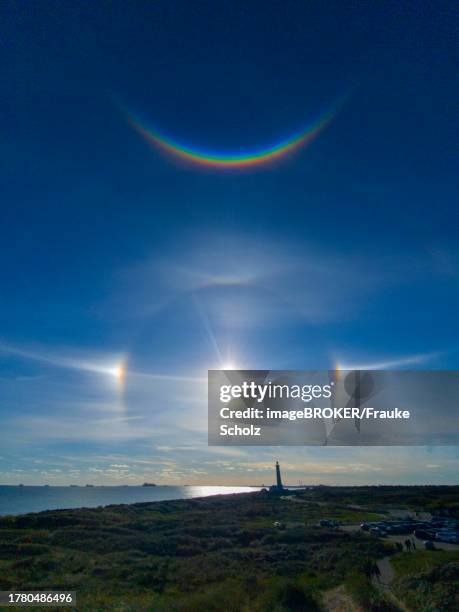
(220, 553)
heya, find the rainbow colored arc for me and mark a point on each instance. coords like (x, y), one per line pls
(251, 158)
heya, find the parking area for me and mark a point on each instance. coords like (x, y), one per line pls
(377, 529)
(419, 544)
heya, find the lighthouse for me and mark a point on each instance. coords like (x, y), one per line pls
(278, 477)
(278, 488)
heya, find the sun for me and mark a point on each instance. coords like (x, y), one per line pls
(229, 366)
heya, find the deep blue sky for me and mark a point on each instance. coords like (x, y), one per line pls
(345, 251)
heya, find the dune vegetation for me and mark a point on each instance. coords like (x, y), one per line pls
(247, 552)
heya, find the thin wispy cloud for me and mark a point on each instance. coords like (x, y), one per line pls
(390, 363)
(100, 365)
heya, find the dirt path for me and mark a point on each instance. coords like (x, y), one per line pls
(337, 600)
(387, 573)
(384, 580)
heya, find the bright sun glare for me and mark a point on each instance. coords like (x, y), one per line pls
(229, 366)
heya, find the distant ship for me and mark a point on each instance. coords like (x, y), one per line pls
(148, 484)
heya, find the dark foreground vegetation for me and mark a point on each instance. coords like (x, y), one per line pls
(226, 553)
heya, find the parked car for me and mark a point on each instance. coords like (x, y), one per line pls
(398, 529)
(326, 523)
(367, 526)
(447, 536)
(377, 531)
(423, 534)
(421, 525)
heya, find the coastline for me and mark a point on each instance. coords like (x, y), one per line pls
(16, 500)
